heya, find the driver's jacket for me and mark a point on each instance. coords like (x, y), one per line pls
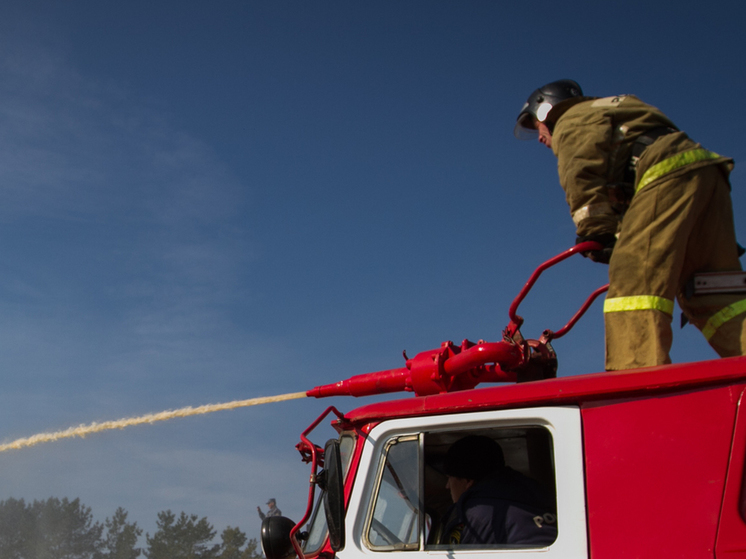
(505, 509)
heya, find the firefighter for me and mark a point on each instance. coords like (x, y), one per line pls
(618, 156)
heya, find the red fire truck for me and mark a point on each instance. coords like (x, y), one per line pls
(643, 463)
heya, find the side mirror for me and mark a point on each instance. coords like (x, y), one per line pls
(276, 537)
(334, 498)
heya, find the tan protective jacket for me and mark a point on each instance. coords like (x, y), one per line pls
(593, 140)
(680, 222)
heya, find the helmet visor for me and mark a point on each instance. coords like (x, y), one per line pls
(525, 128)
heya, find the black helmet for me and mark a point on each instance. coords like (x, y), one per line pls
(540, 102)
(474, 457)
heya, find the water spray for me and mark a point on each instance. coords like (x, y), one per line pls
(83, 430)
(447, 369)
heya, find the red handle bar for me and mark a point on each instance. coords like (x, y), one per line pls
(516, 321)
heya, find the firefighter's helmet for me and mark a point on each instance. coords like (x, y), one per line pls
(540, 102)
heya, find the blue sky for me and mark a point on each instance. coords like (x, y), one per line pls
(211, 201)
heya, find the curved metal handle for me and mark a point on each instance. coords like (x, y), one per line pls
(516, 320)
(549, 335)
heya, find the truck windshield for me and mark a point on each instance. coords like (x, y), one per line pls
(317, 530)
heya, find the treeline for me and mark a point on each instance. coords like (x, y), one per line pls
(63, 529)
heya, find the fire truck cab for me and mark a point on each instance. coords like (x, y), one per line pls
(644, 463)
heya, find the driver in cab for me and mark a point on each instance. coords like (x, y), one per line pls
(492, 503)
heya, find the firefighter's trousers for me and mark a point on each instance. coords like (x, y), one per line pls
(679, 226)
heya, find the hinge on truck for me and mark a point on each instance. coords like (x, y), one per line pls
(712, 283)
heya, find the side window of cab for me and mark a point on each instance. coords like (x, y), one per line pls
(395, 517)
(492, 488)
(477, 485)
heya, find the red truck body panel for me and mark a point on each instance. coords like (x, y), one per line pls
(656, 467)
(731, 540)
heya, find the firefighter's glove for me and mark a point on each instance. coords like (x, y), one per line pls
(604, 255)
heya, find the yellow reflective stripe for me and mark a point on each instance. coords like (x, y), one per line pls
(639, 303)
(674, 162)
(723, 316)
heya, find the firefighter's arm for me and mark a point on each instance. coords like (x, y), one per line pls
(583, 145)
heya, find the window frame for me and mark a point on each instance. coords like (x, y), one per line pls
(383, 459)
(565, 429)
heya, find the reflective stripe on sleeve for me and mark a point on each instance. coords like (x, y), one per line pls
(723, 316)
(592, 210)
(639, 303)
(672, 163)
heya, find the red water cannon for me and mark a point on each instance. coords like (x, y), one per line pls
(451, 368)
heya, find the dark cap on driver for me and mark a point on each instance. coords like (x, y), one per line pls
(474, 457)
